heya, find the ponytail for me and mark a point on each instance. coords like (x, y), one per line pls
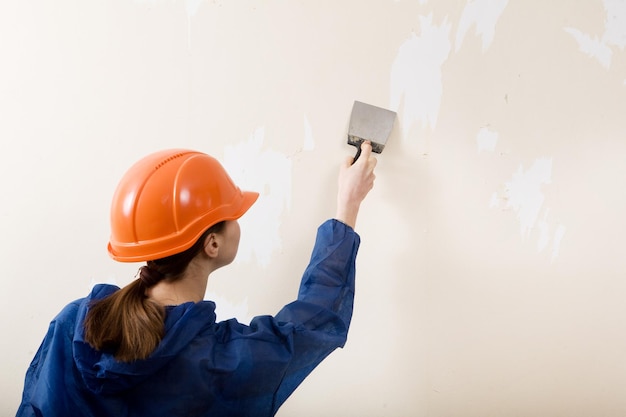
(129, 324)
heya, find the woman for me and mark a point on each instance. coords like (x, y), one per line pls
(153, 348)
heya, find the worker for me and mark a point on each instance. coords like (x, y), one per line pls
(153, 348)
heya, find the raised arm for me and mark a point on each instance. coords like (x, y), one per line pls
(355, 181)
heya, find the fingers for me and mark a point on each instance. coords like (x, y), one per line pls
(366, 150)
(366, 156)
(348, 161)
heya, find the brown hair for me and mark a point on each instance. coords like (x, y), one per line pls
(129, 324)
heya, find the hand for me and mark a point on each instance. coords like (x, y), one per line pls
(355, 182)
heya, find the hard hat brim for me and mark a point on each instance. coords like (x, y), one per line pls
(169, 246)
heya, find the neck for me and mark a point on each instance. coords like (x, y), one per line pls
(191, 287)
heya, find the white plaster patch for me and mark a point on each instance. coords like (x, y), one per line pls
(191, 6)
(614, 34)
(484, 14)
(309, 142)
(270, 173)
(225, 309)
(544, 235)
(544, 230)
(592, 47)
(486, 140)
(523, 194)
(494, 201)
(615, 24)
(556, 242)
(416, 73)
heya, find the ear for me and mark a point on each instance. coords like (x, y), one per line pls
(212, 245)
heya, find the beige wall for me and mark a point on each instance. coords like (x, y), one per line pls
(491, 276)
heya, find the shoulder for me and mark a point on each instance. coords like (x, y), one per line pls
(100, 291)
(76, 309)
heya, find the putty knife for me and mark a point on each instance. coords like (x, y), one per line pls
(371, 123)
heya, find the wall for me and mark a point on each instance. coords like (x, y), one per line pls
(491, 271)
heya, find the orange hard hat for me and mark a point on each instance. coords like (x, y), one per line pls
(167, 200)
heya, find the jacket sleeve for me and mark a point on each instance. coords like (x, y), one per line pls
(321, 315)
(32, 374)
(49, 369)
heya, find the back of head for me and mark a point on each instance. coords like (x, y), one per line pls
(161, 209)
(167, 200)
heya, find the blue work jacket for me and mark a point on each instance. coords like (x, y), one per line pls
(201, 367)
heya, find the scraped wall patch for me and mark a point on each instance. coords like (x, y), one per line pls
(523, 194)
(484, 14)
(615, 23)
(309, 142)
(486, 140)
(416, 73)
(601, 47)
(269, 172)
(593, 47)
(225, 309)
(191, 6)
(556, 242)
(545, 233)
(544, 230)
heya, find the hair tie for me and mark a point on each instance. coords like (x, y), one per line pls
(150, 277)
